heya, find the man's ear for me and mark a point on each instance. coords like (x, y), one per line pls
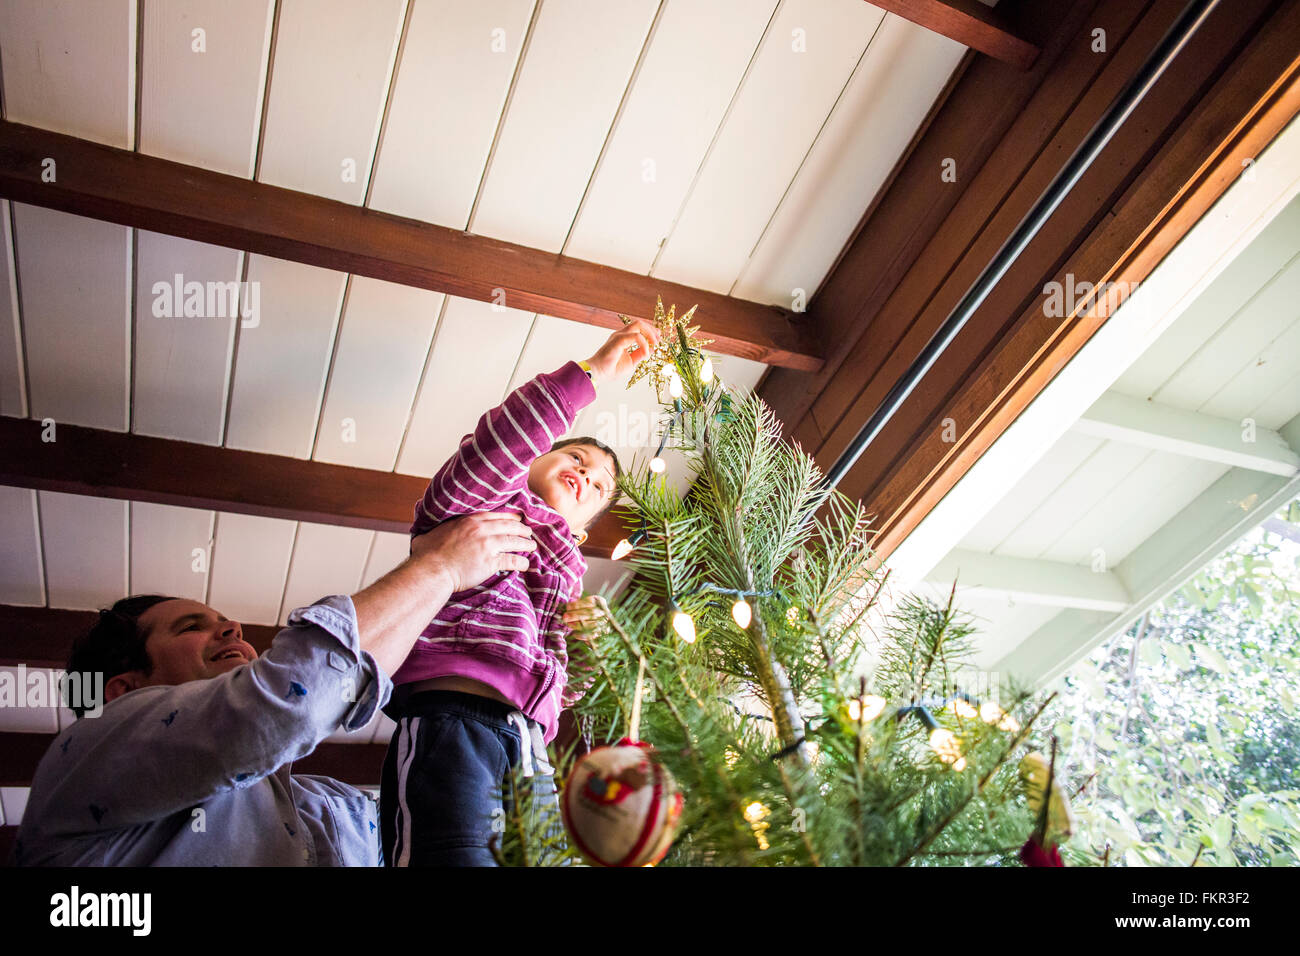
(121, 684)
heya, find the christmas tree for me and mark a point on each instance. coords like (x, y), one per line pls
(747, 650)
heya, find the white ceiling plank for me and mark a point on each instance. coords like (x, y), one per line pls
(84, 543)
(282, 357)
(22, 575)
(330, 76)
(888, 97)
(248, 566)
(1087, 487)
(182, 362)
(663, 133)
(604, 576)
(204, 72)
(449, 91)
(580, 57)
(1275, 366)
(1224, 298)
(383, 341)
(1155, 491)
(326, 560)
(1236, 347)
(386, 552)
(1281, 405)
(1032, 581)
(13, 375)
(68, 67)
(34, 709)
(553, 342)
(13, 800)
(1035, 487)
(1117, 417)
(802, 66)
(75, 321)
(1037, 655)
(170, 550)
(474, 353)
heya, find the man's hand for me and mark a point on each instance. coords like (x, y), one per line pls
(471, 549)
(455, 555)
(588, 617)
(624, 349)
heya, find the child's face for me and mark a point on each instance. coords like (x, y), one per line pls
(577, 481)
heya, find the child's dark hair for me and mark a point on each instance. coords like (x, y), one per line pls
(618, 468)
(114, 644)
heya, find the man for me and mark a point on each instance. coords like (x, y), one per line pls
(189, 763)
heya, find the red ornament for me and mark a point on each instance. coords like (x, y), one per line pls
(1034, 854)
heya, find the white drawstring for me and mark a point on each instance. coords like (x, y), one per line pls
(532, 746)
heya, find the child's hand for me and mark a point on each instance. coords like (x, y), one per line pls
(588, 617)
(624, 349)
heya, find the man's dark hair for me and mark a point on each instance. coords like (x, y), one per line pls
(618, 467)
(114, 644)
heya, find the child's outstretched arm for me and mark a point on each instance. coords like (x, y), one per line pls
(492, 463)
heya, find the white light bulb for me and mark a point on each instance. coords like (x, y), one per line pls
(706, 370)
(872, 706)
(742, 613)
(684, 625)
(675, 387)
(962, 708)
(668, 368)
(622, 549)
(657, 465)
(945, 745)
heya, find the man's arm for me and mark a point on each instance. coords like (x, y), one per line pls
(161, 749)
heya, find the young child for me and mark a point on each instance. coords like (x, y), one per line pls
(482, 690)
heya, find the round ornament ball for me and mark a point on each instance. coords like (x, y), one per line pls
(621, 806)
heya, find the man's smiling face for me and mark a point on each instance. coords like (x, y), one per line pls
(576, 480)
(189, 641)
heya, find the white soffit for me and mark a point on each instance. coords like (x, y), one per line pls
(1239, 216)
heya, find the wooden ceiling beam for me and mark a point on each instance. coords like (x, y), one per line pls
(116, 185)
(969, 23)
(106, 464)
(357, 764)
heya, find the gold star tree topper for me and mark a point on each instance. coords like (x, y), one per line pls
(674, 335)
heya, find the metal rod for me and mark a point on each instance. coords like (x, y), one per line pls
(1080, 160)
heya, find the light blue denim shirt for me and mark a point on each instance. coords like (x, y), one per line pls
(198, 774)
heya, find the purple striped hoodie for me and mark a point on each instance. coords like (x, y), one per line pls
(507, 631)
